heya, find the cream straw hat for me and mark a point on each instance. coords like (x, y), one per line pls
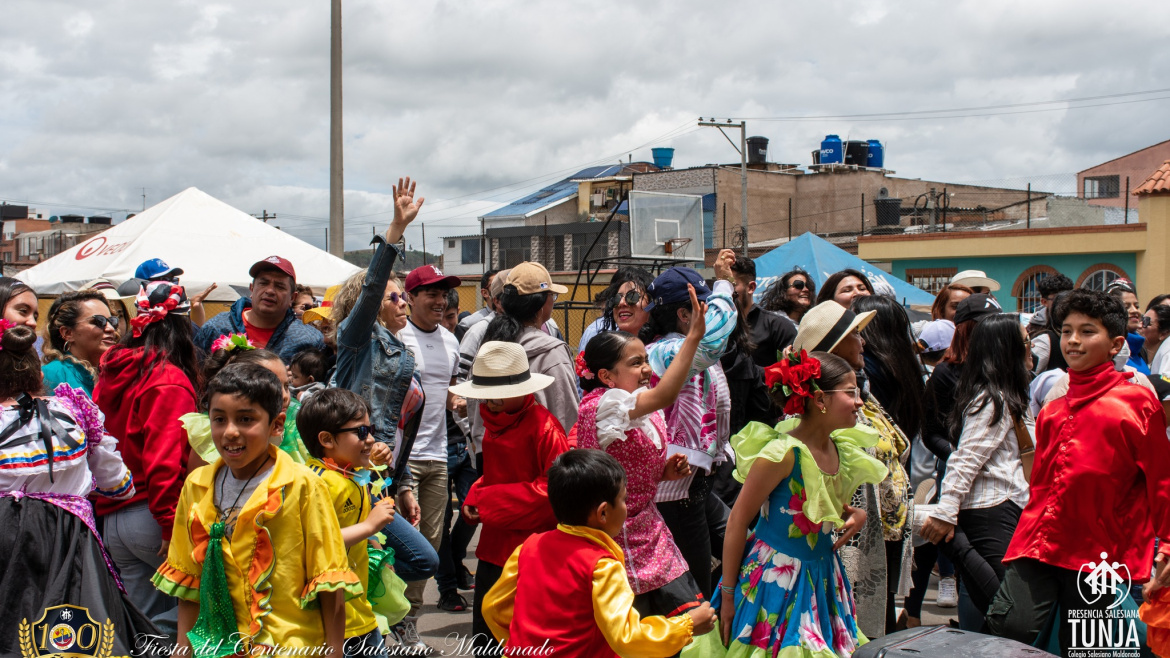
(501, 371)
(824, 325)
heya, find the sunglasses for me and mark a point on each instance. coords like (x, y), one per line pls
(394, 298)
(306, 306)
(1147, 321)
(362, 431)
(797, 284)
(100, 321)
(631, 298)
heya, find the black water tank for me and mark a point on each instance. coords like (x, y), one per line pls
(72, 219)
(99, 219)
(856, 152)
(757, 150)
(889, 211)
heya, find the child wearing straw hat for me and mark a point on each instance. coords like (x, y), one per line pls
(521, 440)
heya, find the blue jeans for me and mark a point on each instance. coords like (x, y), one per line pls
(453, 549)
(414, 558)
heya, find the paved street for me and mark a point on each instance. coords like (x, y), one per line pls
(442, 630)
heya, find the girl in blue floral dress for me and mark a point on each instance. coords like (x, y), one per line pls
(784, 591)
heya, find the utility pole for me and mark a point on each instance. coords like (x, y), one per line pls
(424, 236)
(742, 125)
(265, 217)
(144, 198)
(336, 176)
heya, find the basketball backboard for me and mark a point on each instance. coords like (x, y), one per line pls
(664, 225)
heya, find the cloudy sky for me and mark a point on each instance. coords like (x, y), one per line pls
(485, 101)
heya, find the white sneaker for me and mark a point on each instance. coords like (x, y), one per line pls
(948, 593)
(405, 633)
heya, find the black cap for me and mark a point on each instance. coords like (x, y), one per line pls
(976, 307)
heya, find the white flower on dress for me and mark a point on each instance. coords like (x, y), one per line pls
(783, 570)
(810, 632)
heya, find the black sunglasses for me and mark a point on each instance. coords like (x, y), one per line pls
(362, 431)
(1147, 321)
(100, 321)
(632, 298)
(306, 307)
(797, 284)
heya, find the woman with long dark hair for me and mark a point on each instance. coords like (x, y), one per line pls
(623, 304)
(54, 453)
(845, 286)
(792, 296)
(985, 489)
(147, 382)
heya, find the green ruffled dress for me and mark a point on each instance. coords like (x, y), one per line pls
(793, 598)
(198, 427)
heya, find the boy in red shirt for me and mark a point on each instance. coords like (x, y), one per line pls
(521, 440)
(567, 589)
(1100, 486)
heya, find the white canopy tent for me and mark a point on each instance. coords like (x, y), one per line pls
(210, 240)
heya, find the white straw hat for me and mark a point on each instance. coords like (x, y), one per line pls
(975, 279)
(501, 371)
(825, 324)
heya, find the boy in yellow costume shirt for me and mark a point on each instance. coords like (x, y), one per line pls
(256, 558)
(335, 427)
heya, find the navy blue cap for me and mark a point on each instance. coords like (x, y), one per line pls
(671, 287)
(156, 268)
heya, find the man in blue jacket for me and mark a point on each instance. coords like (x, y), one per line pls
(266, 317)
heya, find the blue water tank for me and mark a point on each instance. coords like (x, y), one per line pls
(831, 152)
(663, 156)
(877, 156)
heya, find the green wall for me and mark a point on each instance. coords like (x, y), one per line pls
(1006, 269)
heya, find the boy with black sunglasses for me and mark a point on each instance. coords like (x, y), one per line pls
(335, 427)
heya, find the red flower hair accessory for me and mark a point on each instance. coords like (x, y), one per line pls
(5, 325)
(796, 376)
(583, 370)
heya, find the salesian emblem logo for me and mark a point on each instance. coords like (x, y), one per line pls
(1102, 579)
(66, 631)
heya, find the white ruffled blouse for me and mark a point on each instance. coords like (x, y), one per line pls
(613, 418)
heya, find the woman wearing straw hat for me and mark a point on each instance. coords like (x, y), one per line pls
(521, 440)
(830, 327)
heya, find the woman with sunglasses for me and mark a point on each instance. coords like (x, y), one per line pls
(367, 314)
(792, 296)
(80, 328)
(303, 300)
(1156, 329)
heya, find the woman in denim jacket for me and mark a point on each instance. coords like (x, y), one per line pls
(373, 363)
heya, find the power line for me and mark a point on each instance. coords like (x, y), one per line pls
(918, 113)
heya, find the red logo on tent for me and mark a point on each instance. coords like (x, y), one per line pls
(90, 248)
(98, 247)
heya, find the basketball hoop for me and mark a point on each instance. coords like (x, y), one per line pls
(676, 246)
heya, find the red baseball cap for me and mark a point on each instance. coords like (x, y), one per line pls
(273, 263)
(429, 275)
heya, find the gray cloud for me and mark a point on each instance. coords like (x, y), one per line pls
(105, 98)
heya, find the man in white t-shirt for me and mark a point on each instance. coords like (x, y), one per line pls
(436, 356)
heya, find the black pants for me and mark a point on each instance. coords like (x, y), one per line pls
(698, 523)
(1031, 591)
(486, 575)
(977, 550)
(893, 571)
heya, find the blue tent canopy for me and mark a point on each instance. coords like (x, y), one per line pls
(821, 259)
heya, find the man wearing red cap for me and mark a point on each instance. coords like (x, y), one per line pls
(436, 358)
(266, 316)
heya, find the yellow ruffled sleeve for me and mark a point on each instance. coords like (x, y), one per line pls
(179, 574)
(827, 494)
(198, 426)
(326, 563)
(629, 635)
(499, 603)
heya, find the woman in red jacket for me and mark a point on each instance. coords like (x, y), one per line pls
(147, 381)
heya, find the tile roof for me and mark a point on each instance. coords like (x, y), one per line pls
(1158, 182)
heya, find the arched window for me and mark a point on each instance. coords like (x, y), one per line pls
(1025, 290)
(1099, 276)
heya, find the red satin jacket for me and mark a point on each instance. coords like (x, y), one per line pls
(1101, 478)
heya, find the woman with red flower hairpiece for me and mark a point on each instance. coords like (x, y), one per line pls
(784, 589)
